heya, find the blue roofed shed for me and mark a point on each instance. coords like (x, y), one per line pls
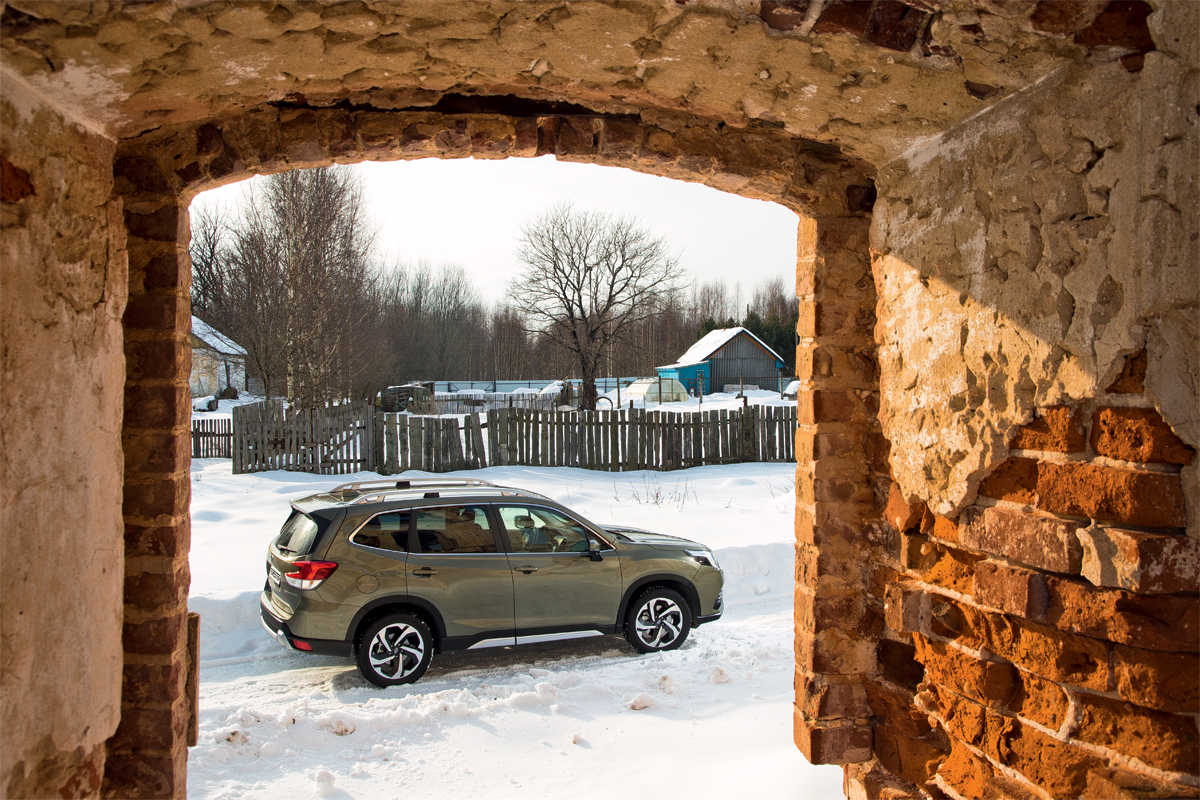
(725, 357)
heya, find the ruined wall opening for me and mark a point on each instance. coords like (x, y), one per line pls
(113, 115)
(158, 176)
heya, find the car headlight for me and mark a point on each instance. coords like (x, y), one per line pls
(704, 558)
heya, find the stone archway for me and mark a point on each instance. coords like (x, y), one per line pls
(1024, 405)
(156, 177)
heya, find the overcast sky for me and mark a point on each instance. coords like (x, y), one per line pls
(470, 212)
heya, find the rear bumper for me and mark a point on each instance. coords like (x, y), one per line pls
(281, 633)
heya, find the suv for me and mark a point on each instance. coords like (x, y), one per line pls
(389, 572)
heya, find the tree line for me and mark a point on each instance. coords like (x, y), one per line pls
(292, 276)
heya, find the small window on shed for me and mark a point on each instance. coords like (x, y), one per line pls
(388, 531)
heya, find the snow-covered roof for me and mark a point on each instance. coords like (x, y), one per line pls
(713, 341)
(214, 338)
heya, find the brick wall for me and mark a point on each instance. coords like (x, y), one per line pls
(147, 756)
(1049, 636)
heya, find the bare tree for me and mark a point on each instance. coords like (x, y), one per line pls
(292, 281)
(588, 277)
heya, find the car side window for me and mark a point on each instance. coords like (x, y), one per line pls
(454, 529)
(384, 532)
(534, 529)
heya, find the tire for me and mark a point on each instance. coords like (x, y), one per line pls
(394, 650)
(658, 620)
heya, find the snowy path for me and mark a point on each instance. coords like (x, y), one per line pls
(584, 719)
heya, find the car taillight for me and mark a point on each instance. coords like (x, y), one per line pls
(310, 574)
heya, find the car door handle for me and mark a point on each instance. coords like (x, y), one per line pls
(525, 568)
(424, 572)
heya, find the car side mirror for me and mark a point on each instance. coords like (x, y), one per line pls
(594, 555)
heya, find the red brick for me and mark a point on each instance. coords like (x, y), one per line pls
(844, 16)
(1123, 784)
(1106, 494)
(1132, 379)
(156, 636)
(1013, 590)
(156, 406)
(1065, 17)
(1164, 741)
(152, 683)
(971, 776)
(14, 182)
(1015, 479)
(831, 744)
(167, 497)
(576, 137)
(1059, 768)
(146, 729)
(1121, 24)
(1162, 681)
(900, 513)
(945, 529)
(160, 451)
(820, 698)
(1058, 429)
(955, 569)
(895, 707)
(1145, 563)
(157, 312)
(1154, 622)
(156, 359)
(821, 405)
(166, 541)
(1137, 434)
(783, 15)
(151, 591)
(1042, 650)
(1041, 542)
(915, 760)
(816, 613)
(163, 225)
(163, 272)
(987, 682)
(141, 775)
(906, 608)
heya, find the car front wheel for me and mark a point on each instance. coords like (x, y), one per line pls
(395, 649)
(658, 620)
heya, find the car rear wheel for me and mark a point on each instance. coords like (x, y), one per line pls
(658, 620)
(395, 649)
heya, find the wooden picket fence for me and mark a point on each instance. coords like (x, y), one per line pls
(336, 439)
(615, 441)
(212, 438)
(351, 437)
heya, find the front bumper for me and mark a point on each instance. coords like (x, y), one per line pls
(281, 633)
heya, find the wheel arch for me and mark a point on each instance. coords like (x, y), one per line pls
(393, 604)
(666, 581)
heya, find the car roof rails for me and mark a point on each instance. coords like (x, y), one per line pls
(359, 487)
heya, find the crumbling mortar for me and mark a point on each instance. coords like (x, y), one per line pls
(1115, 758)
(920, 702)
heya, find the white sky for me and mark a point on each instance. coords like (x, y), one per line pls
(471, 212)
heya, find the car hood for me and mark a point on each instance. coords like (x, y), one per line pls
(639, 536)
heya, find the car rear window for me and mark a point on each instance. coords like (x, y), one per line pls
(298, 534)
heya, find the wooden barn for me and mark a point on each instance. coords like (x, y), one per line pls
(727, 357)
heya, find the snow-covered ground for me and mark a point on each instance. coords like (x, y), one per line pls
(582, 719)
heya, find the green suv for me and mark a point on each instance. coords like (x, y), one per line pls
(388, 572)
